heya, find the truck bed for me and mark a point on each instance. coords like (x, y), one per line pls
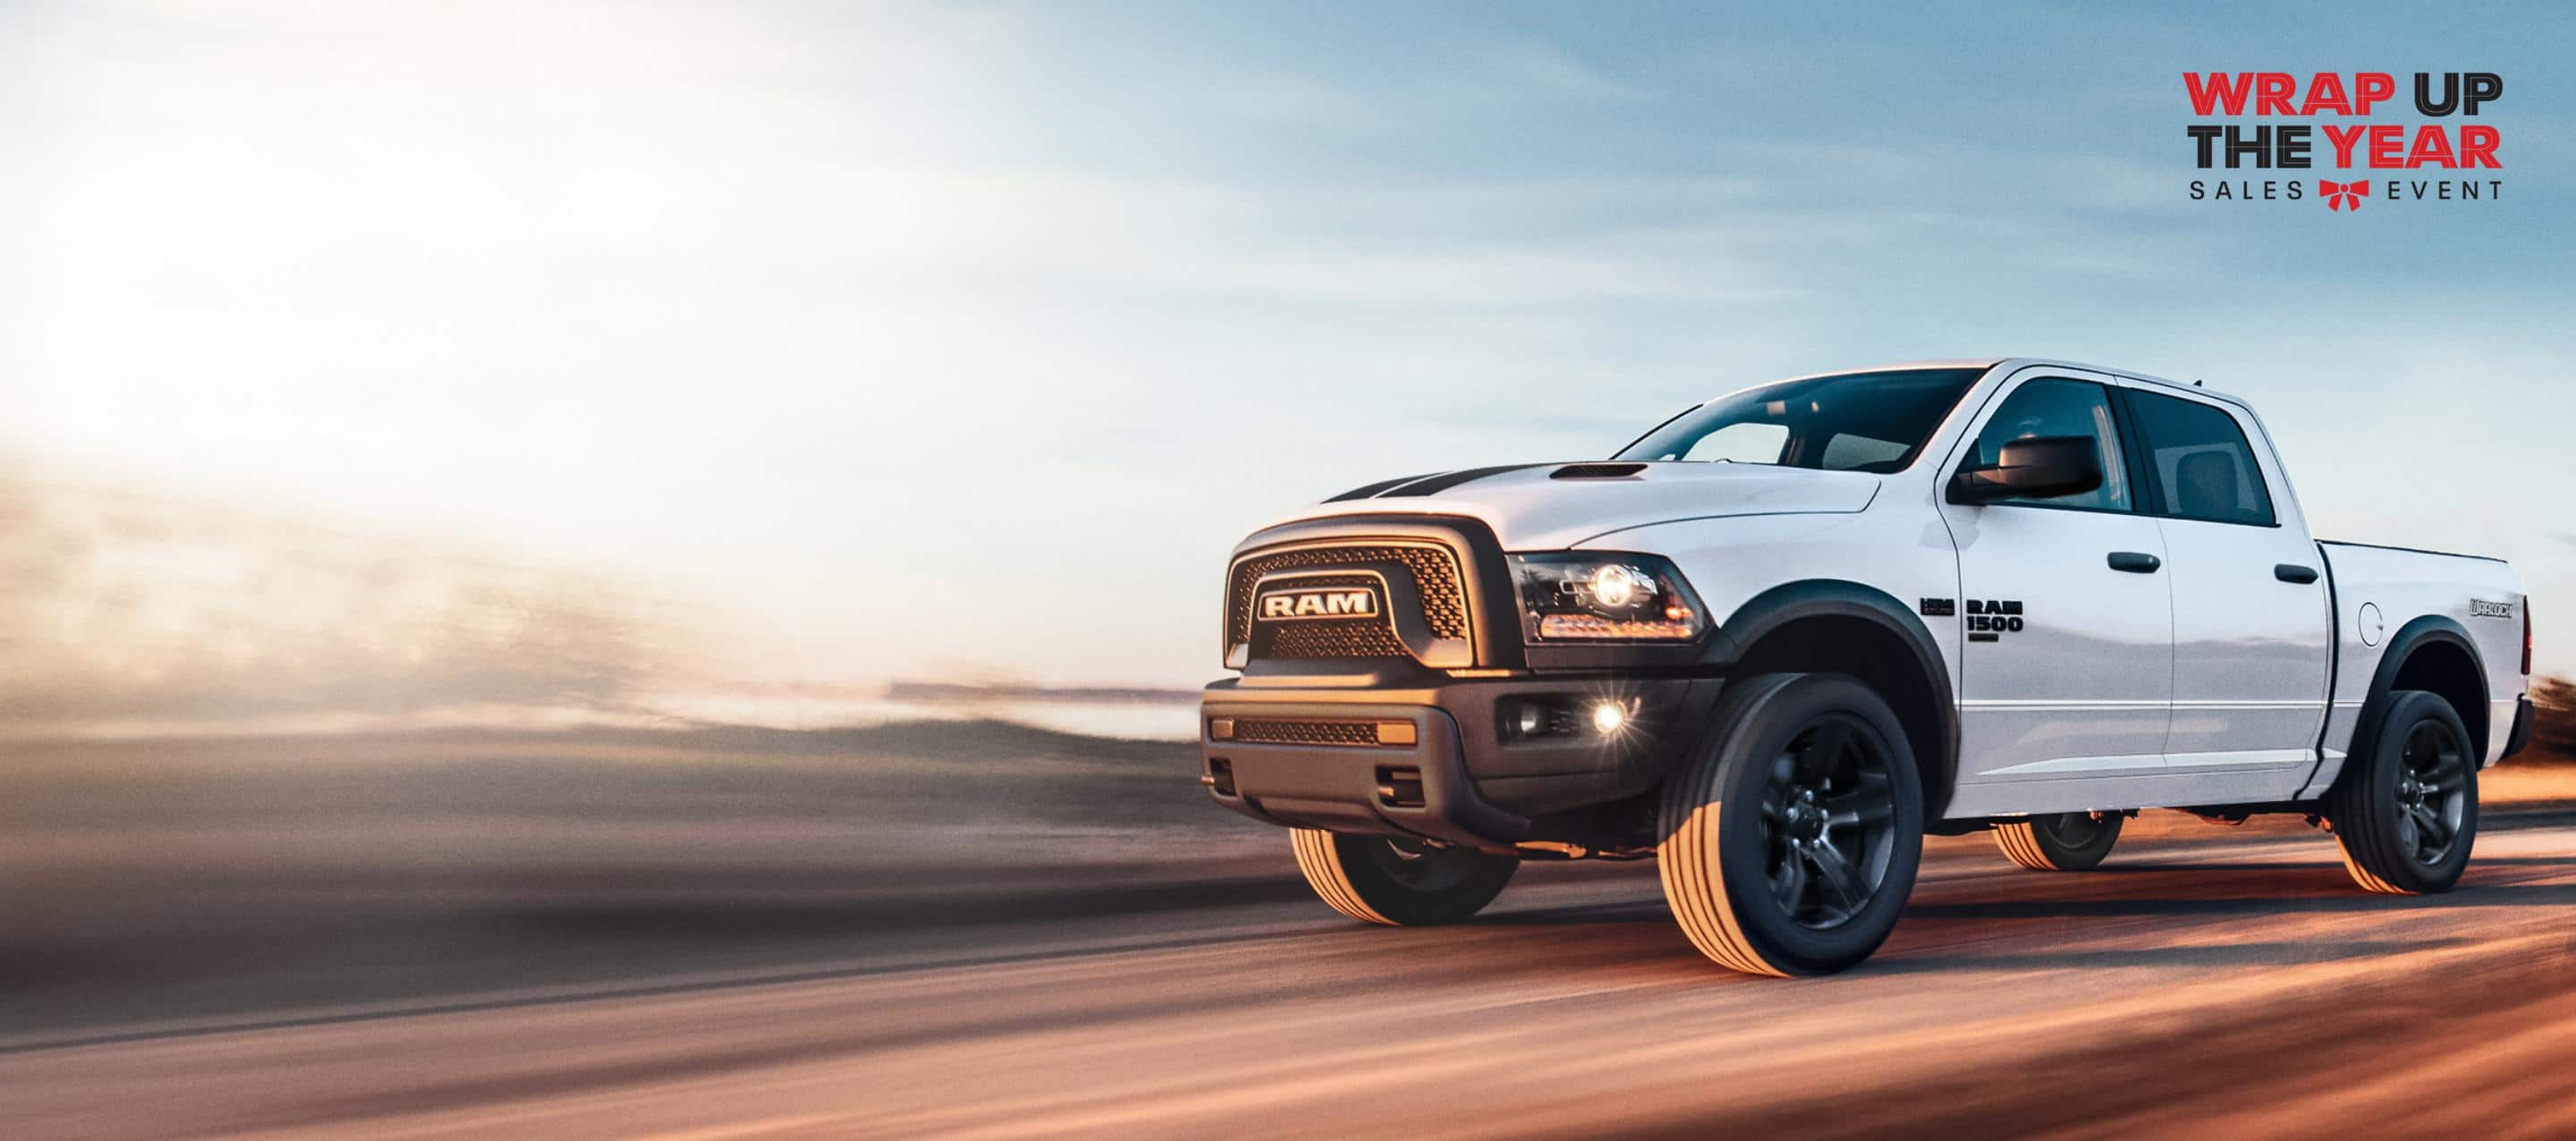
(2381, 593)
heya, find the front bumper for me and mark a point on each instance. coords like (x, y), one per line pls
(1438, 762)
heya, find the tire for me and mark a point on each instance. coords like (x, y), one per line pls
(2059, 841)
(2405, 809)
(1801, 775)
(1400, 883)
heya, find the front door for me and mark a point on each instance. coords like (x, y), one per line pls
(2066, 663)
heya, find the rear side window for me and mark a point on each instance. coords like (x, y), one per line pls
(2201, 464)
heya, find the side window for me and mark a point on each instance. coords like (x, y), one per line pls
(2203, 467)
(2052, 406)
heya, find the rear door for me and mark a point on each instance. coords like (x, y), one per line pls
(2250, 610)
(2066, 671)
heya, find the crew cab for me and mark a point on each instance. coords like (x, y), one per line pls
(1780, 637)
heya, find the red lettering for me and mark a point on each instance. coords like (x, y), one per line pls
(2432, 148)
(2386, 141)
(2371, 87)
(2325, 93)
(2344, 140)
(2272, 93)
(2217, 91)
(2478, 147)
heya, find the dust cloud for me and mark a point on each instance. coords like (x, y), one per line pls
(130, 610)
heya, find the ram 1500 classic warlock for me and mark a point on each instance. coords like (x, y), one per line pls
(1782, 636)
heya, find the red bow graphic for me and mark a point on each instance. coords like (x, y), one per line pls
(2342, 194)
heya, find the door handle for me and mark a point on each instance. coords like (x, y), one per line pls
(2293, 572)
(2135, 562)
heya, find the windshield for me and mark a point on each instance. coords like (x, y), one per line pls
(1858, 421)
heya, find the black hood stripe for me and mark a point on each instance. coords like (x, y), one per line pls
(1434, 485)
(1365, 490)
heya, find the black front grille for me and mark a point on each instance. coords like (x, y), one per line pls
(1351, 734)
(1370, 637)
(1358, 638)
(1435, 579)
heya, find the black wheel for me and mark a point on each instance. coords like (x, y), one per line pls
(2059, 841)
(1789, 844)
(1401, 883)
(2405, 809)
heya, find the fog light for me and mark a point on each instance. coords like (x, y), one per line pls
(1607, 718)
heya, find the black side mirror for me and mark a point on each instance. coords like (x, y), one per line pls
(2040, 467)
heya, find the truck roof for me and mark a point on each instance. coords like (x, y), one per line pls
(2017, 362)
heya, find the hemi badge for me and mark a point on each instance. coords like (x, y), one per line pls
(1940, 608)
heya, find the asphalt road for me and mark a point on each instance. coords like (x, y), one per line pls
(2229, 982)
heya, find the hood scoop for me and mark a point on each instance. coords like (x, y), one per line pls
(1597, 471)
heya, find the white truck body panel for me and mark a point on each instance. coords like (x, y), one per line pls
(2252, 653)
(2084, 689)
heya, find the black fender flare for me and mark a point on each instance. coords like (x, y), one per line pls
(2415, 635)
(1769, 611)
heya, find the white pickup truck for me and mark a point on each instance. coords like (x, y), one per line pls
(1782, 636)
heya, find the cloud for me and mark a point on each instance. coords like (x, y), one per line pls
(1550, 74)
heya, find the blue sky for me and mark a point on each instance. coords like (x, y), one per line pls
(856, 332)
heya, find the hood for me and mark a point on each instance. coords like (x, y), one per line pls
(1539, 507)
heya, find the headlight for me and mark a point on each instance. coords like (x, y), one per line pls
(1604, 598)
(1618, 587)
